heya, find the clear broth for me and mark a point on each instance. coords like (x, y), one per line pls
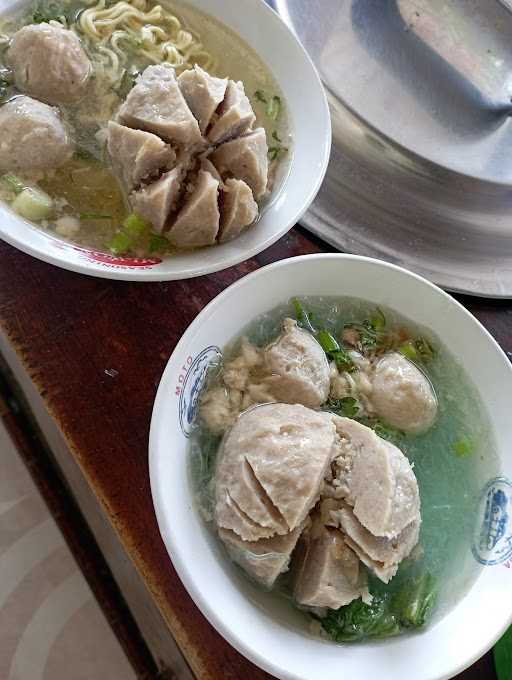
(100, 193)
(450, 486)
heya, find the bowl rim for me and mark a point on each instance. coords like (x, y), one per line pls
(70, 256)
(229, 632)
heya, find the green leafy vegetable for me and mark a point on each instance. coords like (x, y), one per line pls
(386, 616)
(274, 107)
(414, 602)
(387, 432)
(382, 429)
(14, 183)
(260, 96)
(302, 316)
(371, 332)
(50, 10)
(503, 656)
(357, 621)
(328, 342)
(343, 360)
(347, 407)
(463, 448)
(276, 137)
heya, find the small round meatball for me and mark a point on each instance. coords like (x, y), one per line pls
(299, 368)
(49, 63)
(33, 136)
(402, 394)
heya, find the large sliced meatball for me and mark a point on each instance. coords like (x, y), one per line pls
(402, 394)
(49, 63)
(271, 468)
(298, 366)
(33, 136)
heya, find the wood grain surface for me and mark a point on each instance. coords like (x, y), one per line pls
(96, 350)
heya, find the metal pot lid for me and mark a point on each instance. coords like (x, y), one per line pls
(421, 168)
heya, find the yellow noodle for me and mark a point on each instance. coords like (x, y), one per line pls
(154, 35)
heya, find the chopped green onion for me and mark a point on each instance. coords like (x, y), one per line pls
(33, 204)
(260, 96)
(274, 107)
(417, 350)
(463, 448)
(158, 243)
(378, 321)
(276, 137)
(409, 351)
(425, 349)
(275, 151)
(135, 225)
(94, 216)
(132, 229)
(327, 341)
(14, 183)
(120, 243)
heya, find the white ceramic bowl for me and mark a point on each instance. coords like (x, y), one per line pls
(310, 122)
(260, 626)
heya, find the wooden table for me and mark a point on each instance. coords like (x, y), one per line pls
(88, 355)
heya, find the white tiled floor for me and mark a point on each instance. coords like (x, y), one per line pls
(51, 627)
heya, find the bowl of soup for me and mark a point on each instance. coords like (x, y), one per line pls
(331, 472)
(151, 141)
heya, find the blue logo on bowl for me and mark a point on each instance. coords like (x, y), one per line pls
(492, 543)
(192, 384)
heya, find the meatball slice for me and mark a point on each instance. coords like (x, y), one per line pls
(49, 63)
(402, 395)
(203, 93)
(245, 158)
(327, 572)
(238, 209)
(197, 223)
(157, 105)
(298, 366)
(33, 136)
